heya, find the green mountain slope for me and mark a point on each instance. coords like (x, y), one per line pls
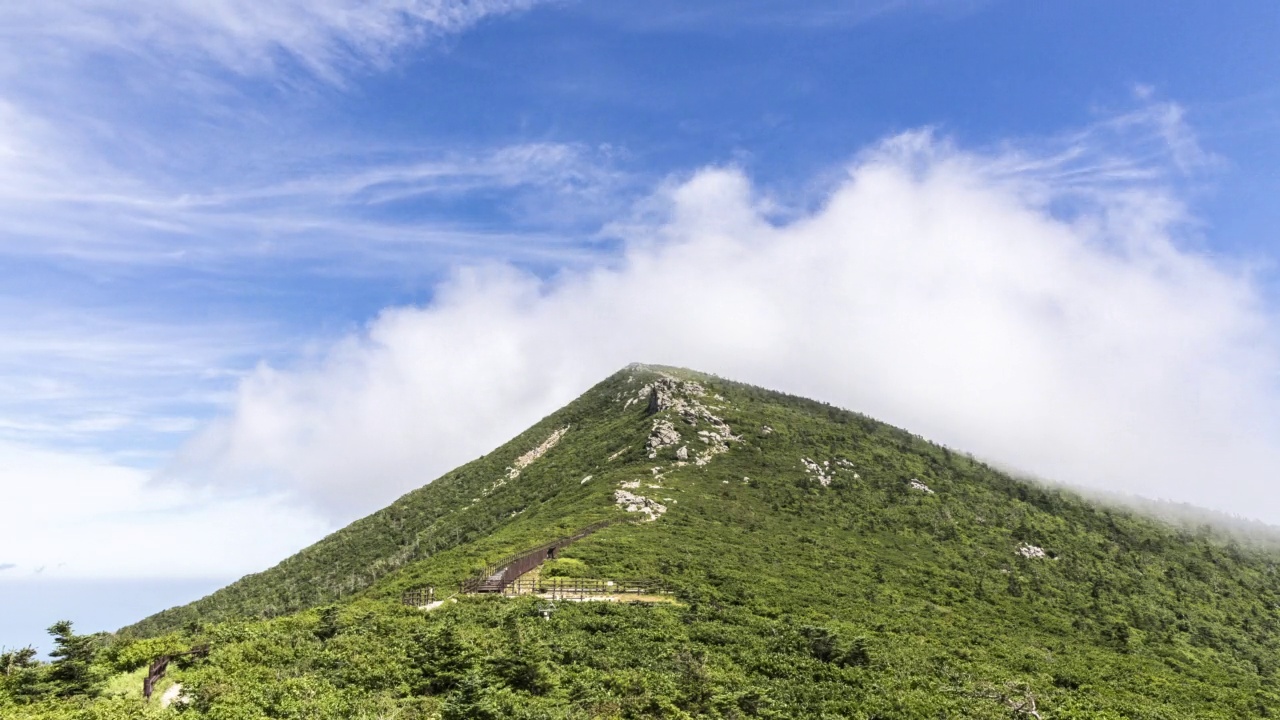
(459, 508)
(827, 565)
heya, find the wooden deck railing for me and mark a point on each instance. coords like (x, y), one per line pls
(419, 598)
(496, 576)
(582, 588)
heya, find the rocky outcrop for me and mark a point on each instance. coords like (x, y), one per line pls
(527, 459)
(824, 472)
(672, 398)
(716, 444)
(848, 466)
(821, 472)
(918, 486)
(1032, 552)
(664, 434)
(634, 503)
(667, 392)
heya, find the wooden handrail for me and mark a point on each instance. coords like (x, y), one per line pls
(532, 558)
(161, 664)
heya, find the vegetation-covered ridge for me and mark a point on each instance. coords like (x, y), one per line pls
(827, 565)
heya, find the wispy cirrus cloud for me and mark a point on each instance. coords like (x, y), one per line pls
(379, 207)
(113, 383)
(91, 180)
(324, 37)
(555, 166)
(1151, 142)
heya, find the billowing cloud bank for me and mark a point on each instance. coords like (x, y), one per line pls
(1000, 305)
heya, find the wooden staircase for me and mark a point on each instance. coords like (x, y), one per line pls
(496, 577)
(493, 583)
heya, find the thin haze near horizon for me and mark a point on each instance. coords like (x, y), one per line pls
(267, 266)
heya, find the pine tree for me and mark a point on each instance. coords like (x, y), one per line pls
(15, 661)
(19, 673)
(70, 672)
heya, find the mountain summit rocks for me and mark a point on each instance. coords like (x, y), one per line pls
(682, 400)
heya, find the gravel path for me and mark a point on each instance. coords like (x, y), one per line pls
(170, 695)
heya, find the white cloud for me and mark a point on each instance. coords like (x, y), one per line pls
(85, 175)
(539, 164)
(1040, 310)
(25, 165)
(326, 37)
(82, 516)
(337, 217)
(103, 354)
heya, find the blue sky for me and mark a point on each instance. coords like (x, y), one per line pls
(231, 225)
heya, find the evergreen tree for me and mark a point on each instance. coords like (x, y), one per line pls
(19, 673)
(70, 672)
(15, 661)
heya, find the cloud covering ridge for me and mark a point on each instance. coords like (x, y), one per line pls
(997, 302)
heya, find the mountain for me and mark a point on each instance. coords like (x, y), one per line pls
(821, 563)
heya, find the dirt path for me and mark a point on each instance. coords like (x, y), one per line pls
(171, 695)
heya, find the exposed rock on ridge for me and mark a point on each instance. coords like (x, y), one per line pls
(683, 399)
(632, 502)
(664, 434)
(527, 459)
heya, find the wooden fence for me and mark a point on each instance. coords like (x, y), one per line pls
(158, 668)
(583, 588)
(419, 598)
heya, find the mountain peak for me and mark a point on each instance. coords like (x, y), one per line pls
(884, 568)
